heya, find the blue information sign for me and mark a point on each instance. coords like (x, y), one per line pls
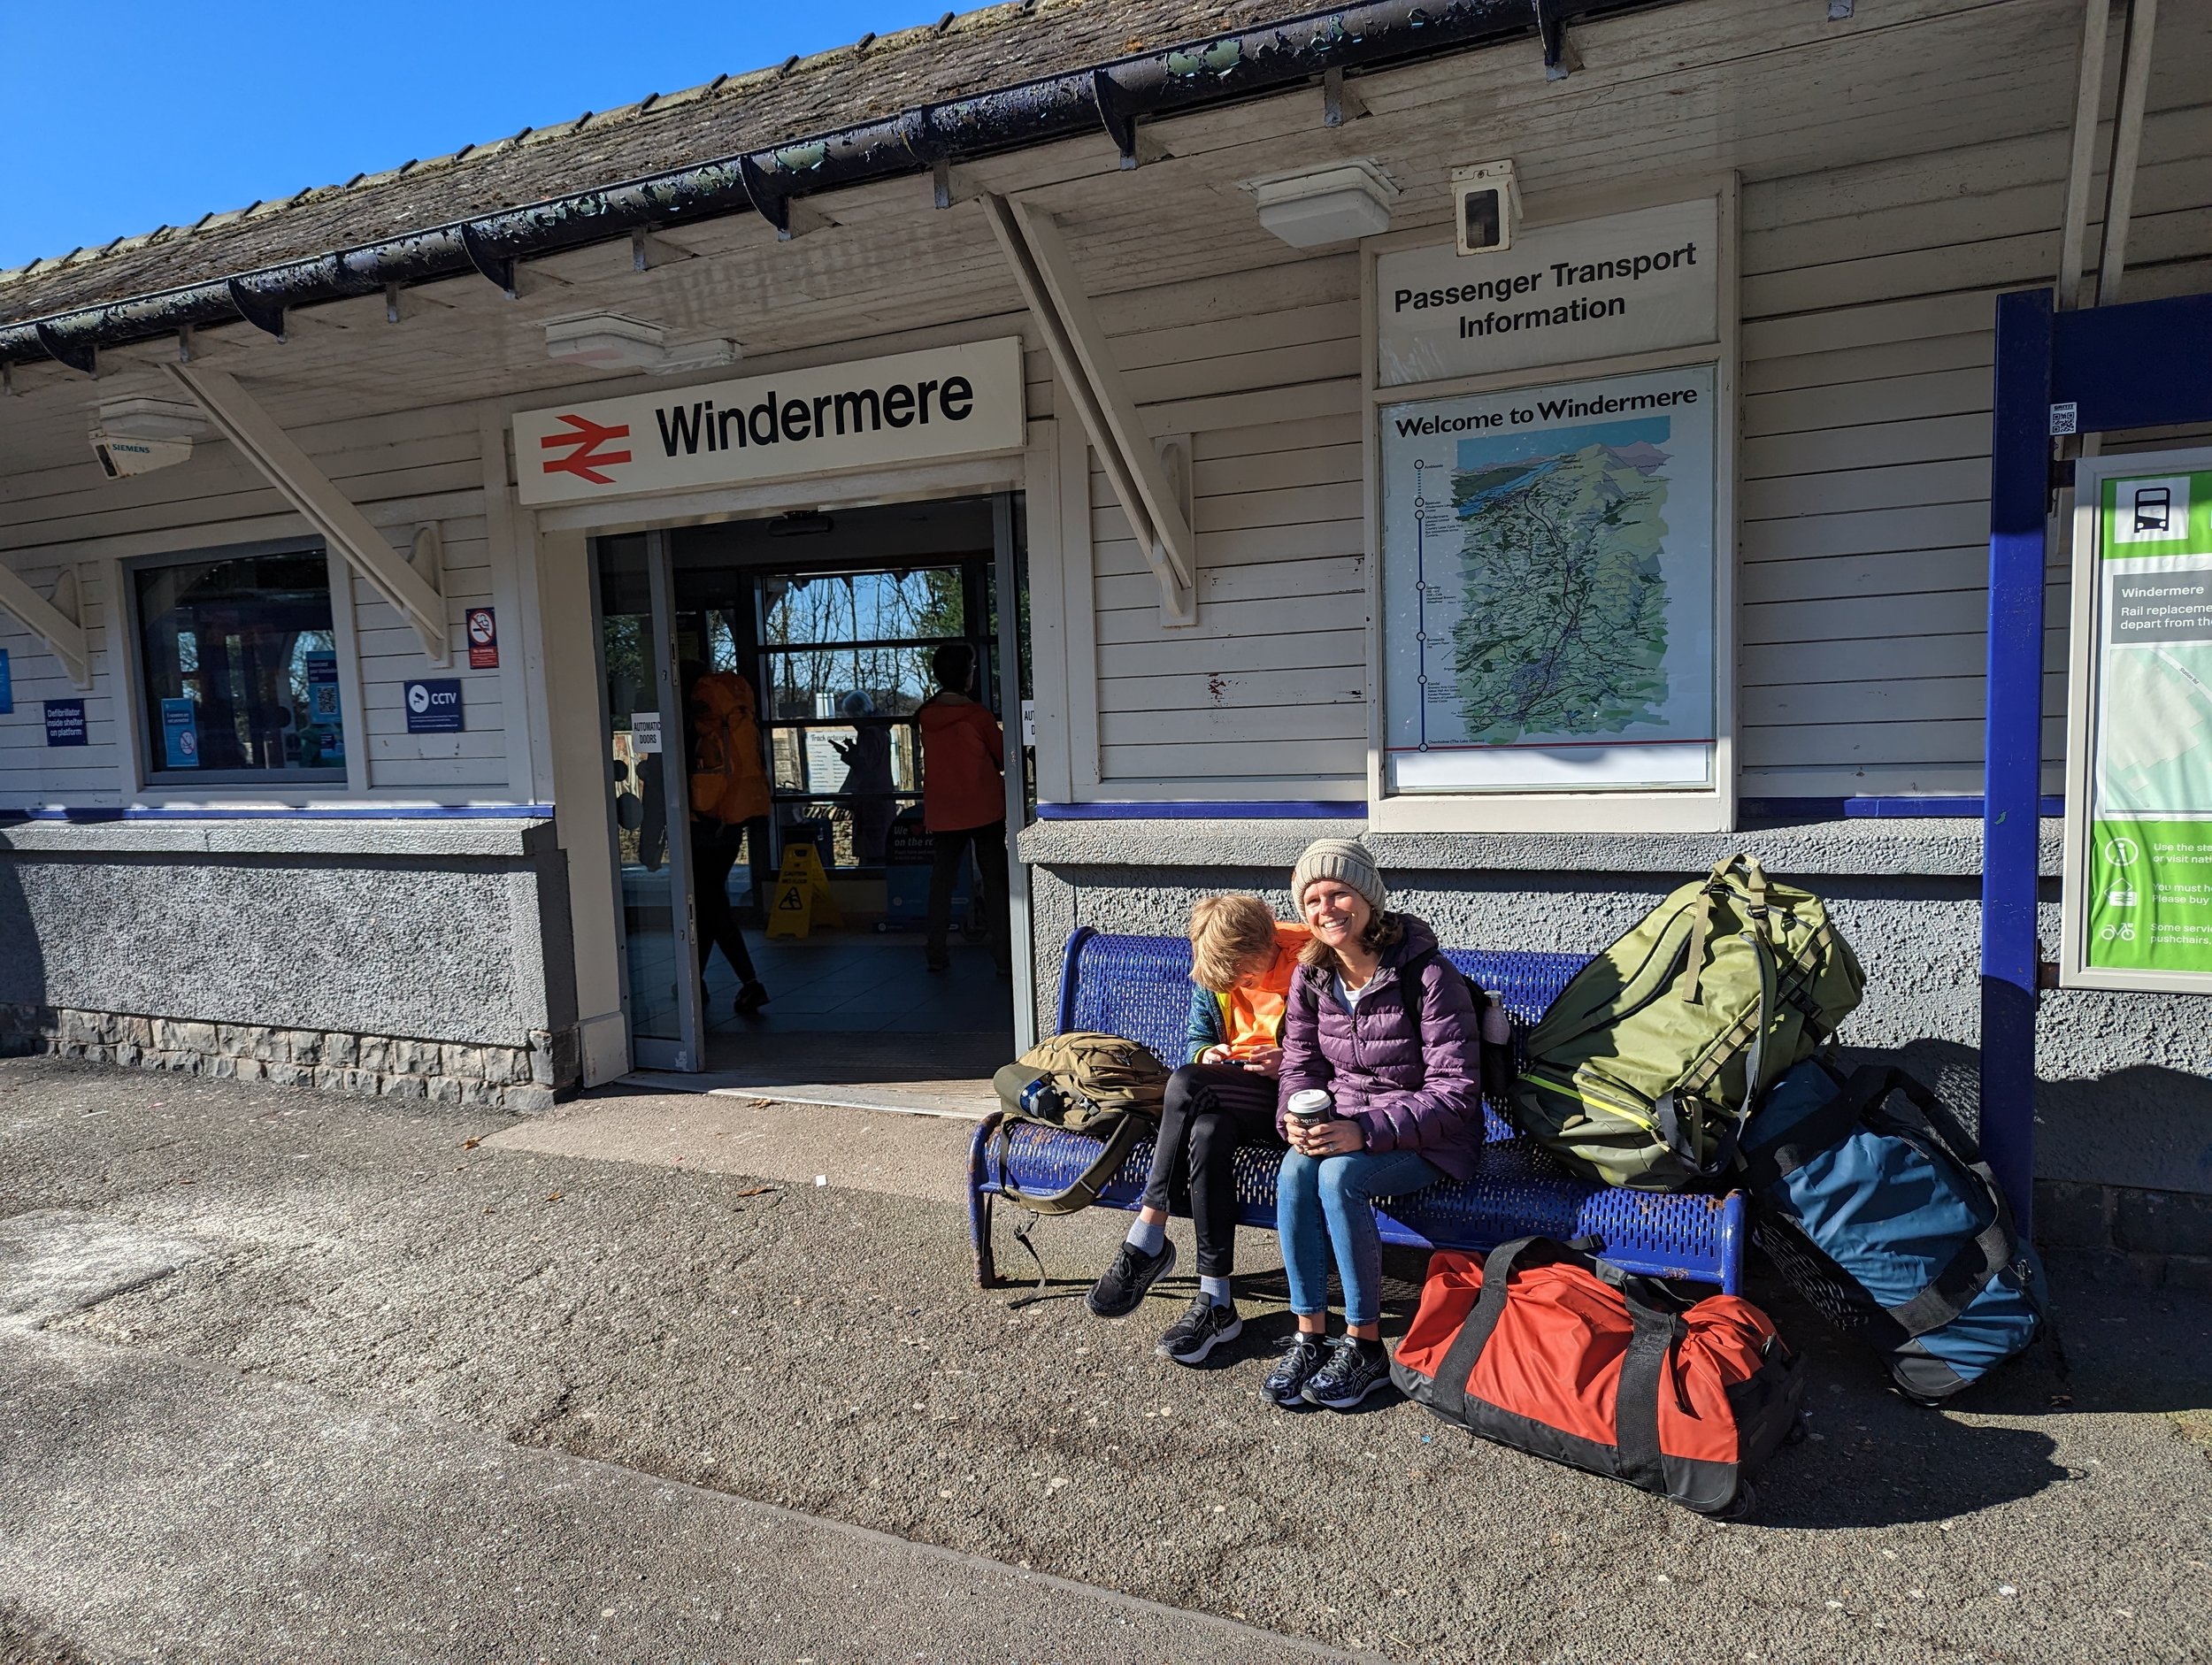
(179, 734)
(7, 685)
(433, 707)
(65, 723)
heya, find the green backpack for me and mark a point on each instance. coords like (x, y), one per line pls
(1105, 1086)
(1644, 1070)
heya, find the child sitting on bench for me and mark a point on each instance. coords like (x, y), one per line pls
(1242, 961)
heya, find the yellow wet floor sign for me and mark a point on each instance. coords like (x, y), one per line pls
(802, 895)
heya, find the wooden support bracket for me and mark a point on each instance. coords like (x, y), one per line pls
(1157, 506)
(53, 622)
(342, 525)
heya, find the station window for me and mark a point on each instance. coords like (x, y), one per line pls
(240, 669)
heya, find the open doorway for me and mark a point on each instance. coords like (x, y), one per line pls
(831, 626)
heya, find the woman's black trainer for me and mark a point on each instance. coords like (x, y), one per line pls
(1121, 1290)
(1301, 1359)
(1352, 1373)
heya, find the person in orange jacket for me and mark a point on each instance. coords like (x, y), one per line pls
(963, 799)
(729, 792)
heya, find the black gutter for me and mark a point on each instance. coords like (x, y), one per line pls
(1114, 96)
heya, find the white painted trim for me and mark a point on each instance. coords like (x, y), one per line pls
(1712, 810)
(1050, 646)
(64, 636)
(1078, 561)
(353, 716)
(913, 483)
(517, 716)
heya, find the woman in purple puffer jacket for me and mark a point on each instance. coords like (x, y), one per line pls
(1407, 1109)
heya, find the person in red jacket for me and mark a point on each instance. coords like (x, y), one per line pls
(963, 799)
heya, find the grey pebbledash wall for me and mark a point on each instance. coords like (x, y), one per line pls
(2123, 1111)
(403, 959)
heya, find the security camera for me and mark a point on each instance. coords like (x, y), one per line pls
(119, 456)
(1487, 205)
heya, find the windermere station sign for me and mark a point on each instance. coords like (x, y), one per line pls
(912, 407)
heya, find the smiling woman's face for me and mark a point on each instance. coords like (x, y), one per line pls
(1336, 913)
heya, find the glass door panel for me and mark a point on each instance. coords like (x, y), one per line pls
(646, 732)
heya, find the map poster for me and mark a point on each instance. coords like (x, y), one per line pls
(1548, 586)
(2147, 906)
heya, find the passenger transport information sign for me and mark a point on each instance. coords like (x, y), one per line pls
(1591, 289)
(2139, 881)
(943, 401)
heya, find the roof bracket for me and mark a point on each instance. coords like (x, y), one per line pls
(1339, 103)
(1560, 57)
(59, 349)
(772, 206)
(1116, 115)
(336, 520)
(1154, 489)
(267, 318)
(498, 268)
(52, 622)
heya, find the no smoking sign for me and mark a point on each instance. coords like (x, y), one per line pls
(483, 640)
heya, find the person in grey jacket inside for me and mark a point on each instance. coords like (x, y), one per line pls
(1382, 1024)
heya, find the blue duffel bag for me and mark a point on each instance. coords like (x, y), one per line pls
(1891, 1225)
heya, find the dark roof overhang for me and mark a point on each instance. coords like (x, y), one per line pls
(1114, 96)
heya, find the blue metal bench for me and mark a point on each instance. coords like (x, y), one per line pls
(1140, 987)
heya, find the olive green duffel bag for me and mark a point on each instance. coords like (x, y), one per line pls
(1643, 1070)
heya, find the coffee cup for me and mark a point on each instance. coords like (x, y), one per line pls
(1310, 1106)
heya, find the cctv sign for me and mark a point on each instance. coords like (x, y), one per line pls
(433, 707)
(945, 401)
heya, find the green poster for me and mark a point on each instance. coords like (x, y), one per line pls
(2149, 900)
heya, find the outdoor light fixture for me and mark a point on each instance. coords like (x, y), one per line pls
(1335, 203)
(615, 340)
(137, 434)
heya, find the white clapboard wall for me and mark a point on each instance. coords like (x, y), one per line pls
(1869, 297)
(403, 470)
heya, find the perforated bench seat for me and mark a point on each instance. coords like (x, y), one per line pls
(1140, 987)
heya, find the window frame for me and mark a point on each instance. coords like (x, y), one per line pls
(146, 775)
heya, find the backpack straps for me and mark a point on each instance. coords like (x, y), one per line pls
(1084, 1189)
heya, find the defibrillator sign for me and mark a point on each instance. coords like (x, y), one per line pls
(2138, 802)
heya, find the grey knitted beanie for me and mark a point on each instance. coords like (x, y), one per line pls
(1347, 860)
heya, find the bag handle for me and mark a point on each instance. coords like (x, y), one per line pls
(1659, 1327)
(1960, 1284)
(1754, 884)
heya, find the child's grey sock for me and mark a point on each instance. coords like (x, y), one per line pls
(1147, 1238)
(1216, 1290)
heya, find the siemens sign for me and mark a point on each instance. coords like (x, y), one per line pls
(947, 402)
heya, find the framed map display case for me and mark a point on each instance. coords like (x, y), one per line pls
(1548, 586)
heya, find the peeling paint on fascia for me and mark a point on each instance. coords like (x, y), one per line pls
(801, 158)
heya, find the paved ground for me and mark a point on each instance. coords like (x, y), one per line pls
(249, 1335)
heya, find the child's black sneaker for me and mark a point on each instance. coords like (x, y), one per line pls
(1121, 1289)
(1304, 1356)
(1351, 1375)
(1201, 1329)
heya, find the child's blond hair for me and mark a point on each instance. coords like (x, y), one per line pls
(1228, 934)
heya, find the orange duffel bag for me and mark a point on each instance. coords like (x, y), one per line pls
(1541, 1348)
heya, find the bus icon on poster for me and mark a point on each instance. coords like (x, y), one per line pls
(2154, 509)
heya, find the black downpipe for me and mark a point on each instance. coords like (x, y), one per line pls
(1115, 96)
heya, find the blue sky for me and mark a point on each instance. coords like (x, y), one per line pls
(164, 111)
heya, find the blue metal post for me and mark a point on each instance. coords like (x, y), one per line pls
(2019, 488)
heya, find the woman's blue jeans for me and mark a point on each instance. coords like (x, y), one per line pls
(1325, 1202)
